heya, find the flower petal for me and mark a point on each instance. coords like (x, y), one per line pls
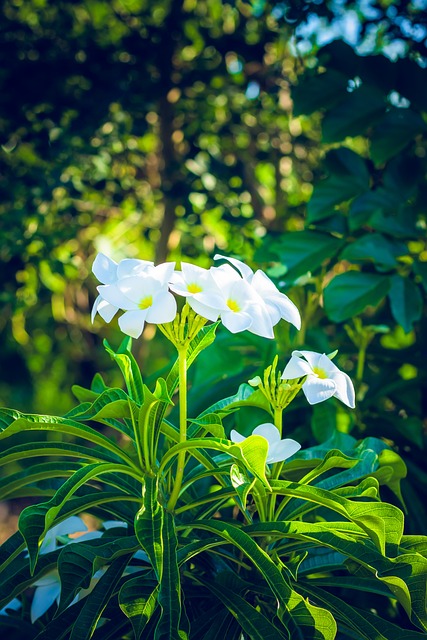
(318, 389)
(268, 431)
(312, 357)
(296, 368)
(112, 294)
(245, 271)
(236, 321)
(131, 267)
(163, 308)
(132, 322)
(202, 309)
(235, 436)
(344, 389)
(44, 597)
(107, 311)
(104, 269)
(280, 451)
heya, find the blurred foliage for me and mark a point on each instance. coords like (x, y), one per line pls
(183, 128)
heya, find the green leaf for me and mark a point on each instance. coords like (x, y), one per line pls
(78, 563)
(254, 623)
(13, 422)
(129, 368)
(406, 302)
(302, 252)
(168, 627)
(96, 602)
(351, 117)
(382, 522)
(149, 525)
(36, 520)
(324, 420)
(246, 396)
(420, 269)
(35, 473)
(302, 619)
(208, 423)
(348, 294)
(380, 201)
(394, 132)
(374, 247)
(319, 92)
(242, 484)
(368, 625)
(138, 603)
(348, 177)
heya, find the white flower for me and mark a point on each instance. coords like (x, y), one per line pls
(324, 379)
(242, 309)
(48, 591)
(279, 306)
(198, 286)
(143, 296)
(108, 272)
(278, 450)
(73, 524)
(13, 605)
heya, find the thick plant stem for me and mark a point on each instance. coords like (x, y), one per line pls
(277, 466)
(182, 359)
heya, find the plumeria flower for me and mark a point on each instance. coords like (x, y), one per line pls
(279, 306)
(198, 286)
(73, 524)
(242, 309)
(48, 591)
(143, 296)
(278, 450)
(13, 605)
(108, 272)
(324, 379)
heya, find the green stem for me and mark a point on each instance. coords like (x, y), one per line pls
(361, 362)
(182, 361)
(277, 467)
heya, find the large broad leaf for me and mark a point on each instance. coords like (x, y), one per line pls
(348, 177)
(380, 201)
(351, 117)
(406, 302)
(348, 294)
(374, 247)
(321, 91)
(303, 620)
(394, 132)
(304, 251)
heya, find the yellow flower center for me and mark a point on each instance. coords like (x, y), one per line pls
(194, 288)
(233, 305)
(146, 302)
(321, 373)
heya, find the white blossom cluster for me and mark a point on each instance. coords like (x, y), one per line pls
(242, 299)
